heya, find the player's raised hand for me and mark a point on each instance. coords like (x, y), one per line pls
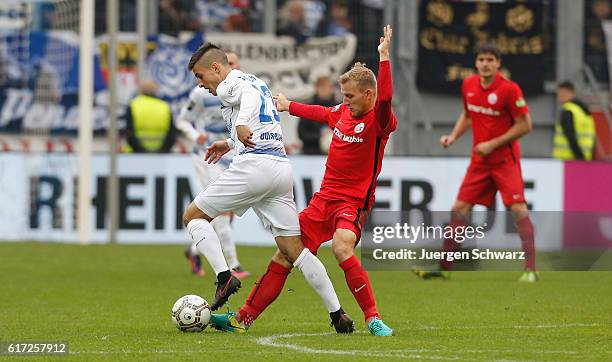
(245, 135)
(385, 43)
(447, 140)
(282, 103)
(216, 151)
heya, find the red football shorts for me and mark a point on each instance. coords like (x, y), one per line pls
(319, 221)
(482, 181)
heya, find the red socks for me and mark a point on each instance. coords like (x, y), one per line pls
(450, 244)
(267, 289)
(359, 283)
(525, 229)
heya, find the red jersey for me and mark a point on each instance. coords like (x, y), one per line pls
(493, 110)
(358, 144)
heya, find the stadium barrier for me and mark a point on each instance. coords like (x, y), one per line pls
(38, 192)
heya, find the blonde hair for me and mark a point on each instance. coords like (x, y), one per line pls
(360, 74)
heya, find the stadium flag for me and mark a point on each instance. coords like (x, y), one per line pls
(49, 61)
(450, 31)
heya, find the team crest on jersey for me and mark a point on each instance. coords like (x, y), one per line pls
(492, 98)
(359, 128)
(336, 108)
(191, 105)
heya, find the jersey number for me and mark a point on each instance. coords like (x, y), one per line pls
(267, 111)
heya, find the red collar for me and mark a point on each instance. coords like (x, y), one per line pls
(493, 85)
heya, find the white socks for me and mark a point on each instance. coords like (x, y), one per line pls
(207, 242)
(223, 228)
(317, 278)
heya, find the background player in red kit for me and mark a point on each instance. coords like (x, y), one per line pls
(495, 109)
(361, 125)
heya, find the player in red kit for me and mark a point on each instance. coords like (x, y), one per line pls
(495, 109)
(361, 126)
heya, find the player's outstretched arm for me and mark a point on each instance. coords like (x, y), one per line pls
(314, 113)
(522, 126)
(187, 129)
(385, 43)
(282, 103)
(191, 111)
(385, 82)
(463, 123)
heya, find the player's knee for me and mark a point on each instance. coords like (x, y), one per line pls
(187, 217)
(192, 212)
(461, 209)
(519, 210)
(289, 247)
(519, 207)
(281, 259)
(343, 244)
(342, 251)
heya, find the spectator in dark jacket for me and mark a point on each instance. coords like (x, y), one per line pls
(309, 131)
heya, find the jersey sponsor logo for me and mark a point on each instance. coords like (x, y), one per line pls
(336, 108)
(520, 102)
(231, 90)
(492, 98)
(470, 94)
(346, 138)
(268, 136)
(359, 128)
(482, 110)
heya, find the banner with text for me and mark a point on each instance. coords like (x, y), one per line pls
(39, 194)
(449, 32)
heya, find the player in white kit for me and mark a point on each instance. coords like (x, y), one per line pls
(259, 177)
(201, 122)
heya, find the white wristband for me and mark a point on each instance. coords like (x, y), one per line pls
(230, 143)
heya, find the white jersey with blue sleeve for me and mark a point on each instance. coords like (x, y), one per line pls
(247, 100)
(259, 177)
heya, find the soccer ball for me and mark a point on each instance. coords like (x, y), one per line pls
(191, 313)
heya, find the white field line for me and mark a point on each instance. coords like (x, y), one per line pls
(273, 341)
(429, 354)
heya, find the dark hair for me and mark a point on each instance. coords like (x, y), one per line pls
(566, 84)
(205, 48)
(488, 48)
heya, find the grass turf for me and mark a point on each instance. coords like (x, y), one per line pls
(112, 302)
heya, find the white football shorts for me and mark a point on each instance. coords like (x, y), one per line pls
(259, 182)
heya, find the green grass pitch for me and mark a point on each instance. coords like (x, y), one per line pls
(112, 302)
